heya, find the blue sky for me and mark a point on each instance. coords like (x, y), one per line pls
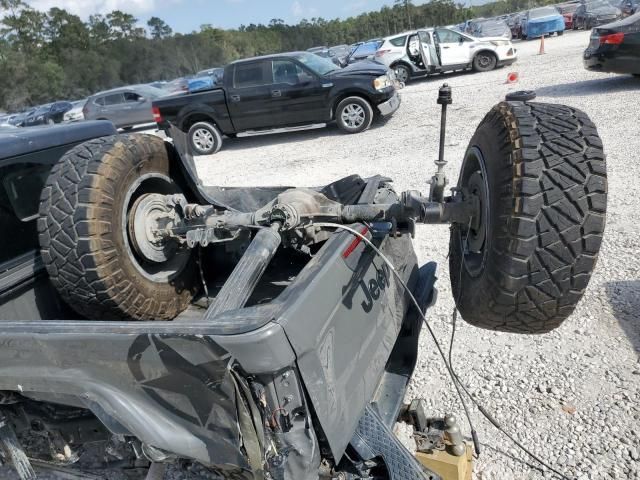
(187, 15)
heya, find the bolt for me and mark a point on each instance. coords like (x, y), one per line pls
(288, 399)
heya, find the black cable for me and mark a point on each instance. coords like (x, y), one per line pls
(202, 278)
(487, 415)
(456, 380)
(424, 319)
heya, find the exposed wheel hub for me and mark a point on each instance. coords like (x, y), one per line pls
(478, 227)
(149, 217)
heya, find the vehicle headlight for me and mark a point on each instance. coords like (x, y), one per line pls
(500, 43)
(39, 117)
(382, 82)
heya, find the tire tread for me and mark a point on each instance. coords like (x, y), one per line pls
(553, 212)
(75, 233)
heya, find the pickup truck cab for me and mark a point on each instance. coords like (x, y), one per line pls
(277, 93)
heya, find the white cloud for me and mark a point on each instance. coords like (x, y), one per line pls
(355, 5)
(85, 8)
(298, 10)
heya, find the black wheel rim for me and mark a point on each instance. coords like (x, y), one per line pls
(484, 61)
(474, 237)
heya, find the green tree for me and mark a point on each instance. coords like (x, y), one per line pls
(159, 29)
(123, 25)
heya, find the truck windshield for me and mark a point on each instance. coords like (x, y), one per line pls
(317, 64)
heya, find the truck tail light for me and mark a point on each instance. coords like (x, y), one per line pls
(157, 116)
(612, 39)
(380, 53)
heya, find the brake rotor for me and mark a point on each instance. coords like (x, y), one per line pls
(149, 217)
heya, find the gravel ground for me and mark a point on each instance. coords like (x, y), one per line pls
(572, 395)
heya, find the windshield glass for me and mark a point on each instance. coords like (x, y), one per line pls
(150, 92)
(598, 6)
(366, 49)
(43, 109)
(317, 64)
(542, 12)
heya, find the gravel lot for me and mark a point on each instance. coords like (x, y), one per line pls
(573, 396)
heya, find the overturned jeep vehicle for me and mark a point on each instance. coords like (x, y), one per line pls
(150, 320)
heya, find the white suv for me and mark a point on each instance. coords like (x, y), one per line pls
(432, 50)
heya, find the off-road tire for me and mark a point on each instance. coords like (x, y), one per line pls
(367, 110)
(82, 241)
(216, 138)
(484, 62)
(547, 189)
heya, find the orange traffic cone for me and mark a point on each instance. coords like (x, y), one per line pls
(541, 52)
(512, 77)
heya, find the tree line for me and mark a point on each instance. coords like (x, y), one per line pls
(53, 55)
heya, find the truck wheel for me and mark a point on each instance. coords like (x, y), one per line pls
(403, 74)
(539, 172)
(354, 115)
(204, 138)
(85, 235)
(484, 61)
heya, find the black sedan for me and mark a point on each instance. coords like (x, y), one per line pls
(615, 47)
(48, 114)
(593, 13)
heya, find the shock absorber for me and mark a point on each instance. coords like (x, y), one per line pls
(439, 180)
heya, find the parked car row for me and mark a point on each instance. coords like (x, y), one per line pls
(422, 52)
(124, 106)
(47, 114)
(555, 19)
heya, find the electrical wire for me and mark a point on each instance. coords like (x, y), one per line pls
(447, 361)
(488, 416)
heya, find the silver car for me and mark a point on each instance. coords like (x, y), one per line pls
(124, 107)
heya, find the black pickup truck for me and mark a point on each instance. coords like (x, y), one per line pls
(276, 93)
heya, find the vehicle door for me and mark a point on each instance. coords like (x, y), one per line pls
(249, 95)
(111, 108)
(137, 108)
(454, 48)
(297, 94)
(579, 15)
(428, 49)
